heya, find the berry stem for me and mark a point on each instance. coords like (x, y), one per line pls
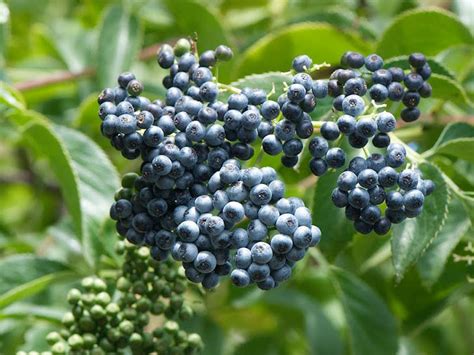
(229, 88)
(317, 124)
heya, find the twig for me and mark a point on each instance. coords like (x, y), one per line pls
(63, 76)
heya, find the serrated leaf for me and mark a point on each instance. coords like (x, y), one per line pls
(87, 178)
(402, 62)
(275, 51)
(10, 97)
(431, 264)
(423, 30)
(457, 139)
(413, 236)
(320, 332)
(371, 326)
(26, 274)
(454, 131)
(336, 230)
(449, 90)
(119, 42)
(458, 60)
(265, 81)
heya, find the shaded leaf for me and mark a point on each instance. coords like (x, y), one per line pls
(371, 326)
(413, 236)
(431, 264)
(275, 51)
(10, 97)
(447, 89)
(26, 275)
(423, 30)
(119, 42)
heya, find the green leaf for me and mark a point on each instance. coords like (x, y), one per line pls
(336, 230)
(413, 236)
(191, 17)
(323, 338)
(402, 62)
(28, 312)
(265, 81)
(431, 264)
(87, 178)
(275, 51)
(458, 60)
(457, 139)
(371, 326)
(449, 90)
(25, 275)
(423, 30)
(119, 42)
(11, 97)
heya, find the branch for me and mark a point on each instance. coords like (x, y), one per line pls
(63, 76)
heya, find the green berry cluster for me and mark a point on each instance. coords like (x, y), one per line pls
(118, 320)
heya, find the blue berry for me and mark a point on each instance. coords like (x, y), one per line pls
(270, 110)
(186, 252)
(395, 91)
(292, 147)
(410, 114)
(417, 60)
(387, 177)
(318, 166)
(413, 81)
(382, 76)
(367, 178)
(362, 227)
(285, 130)
(377, 195)
(281, 244)
(295, 254)
(424, 71)
(335, 157)
(359, 198)
(370, 214)
(397, 74)
(268, 215)
(210, 281)
(346, 124)
(224, 53)
(386, 122)
(320, 88)
(281, 274)
(296, 93)
(258, 272)
(208, 91)
(347, 180)
(373, 62)
(394, 200)
(243, 258)
(413, 200)
(408, 179)
(366, 127)
(353, 105)
(272, 145)
(355, 86)
(411, 99)
(233, 212)
(251, 176)
(302, 63)
(395, 216)
(165, 56)
(339, 198)
(239, 238)
(261, 253)
(240, 277)
(378, 92)
(425, 90)
(257, 230)
(318, 147)
(381, 140)
(382, 226)
(330, 131)
(237, 102)
(353, 59)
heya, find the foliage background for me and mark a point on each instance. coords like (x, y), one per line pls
(406, 293)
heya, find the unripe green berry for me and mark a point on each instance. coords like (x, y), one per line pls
(58, 348)
(97, 312)
(120, 247)
(171, 327)
(195, 341)
(125, 194)
(123, 284)
(128, 180)
(136, 339)
(143, 305)
(99, 285)
(106, 346)
(77, 310)
(53, 338)
(157, 308)
(73, 296)
(86, 323)
(64, 333)
(182, 46)
(143, 253)
(139, 287)
(112, 309)
(113, 335)
(130, 313)
(97, 351)
(103, 298)
(89, 340)
(176, 302)
(87, 283)
(185, 312)
(76, 342)
(68, 319)
(126, 327)
(143, 319)
(88, 299)
(179, 286)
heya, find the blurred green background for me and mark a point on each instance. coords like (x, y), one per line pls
(357, 294)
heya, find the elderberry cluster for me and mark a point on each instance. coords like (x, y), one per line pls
(368, 183)
(101, 323)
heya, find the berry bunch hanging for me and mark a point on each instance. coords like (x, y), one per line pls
(99, 322)
(194, 201)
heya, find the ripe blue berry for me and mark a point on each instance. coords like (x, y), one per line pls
(387, 177)
(353, 105)
(330, 131)
(347, 180)
(367, 178)
(382, 226)
(240, 277)
(302, 63)
(359, 198)
(224, 53)
(258, 272)
(366, 127)
(413, 200)
(395, 91)
(346, 124)
(370, 214)
(408, 179)
(335, 157)
(373, 62)
(318, 166)
(339, 198)
(386, 122)
(296, 93)
(320, 88)
(261, 253)
(378, 93)
(281, 244)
